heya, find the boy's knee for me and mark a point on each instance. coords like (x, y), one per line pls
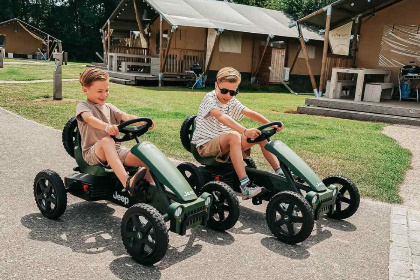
(263, 143)
(106, 141)
(234, 137)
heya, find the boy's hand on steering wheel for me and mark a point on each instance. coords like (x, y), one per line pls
(112, 130)
(278, 128)
(153, 125)
(252, 133)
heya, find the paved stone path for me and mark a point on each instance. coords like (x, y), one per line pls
(404, 253)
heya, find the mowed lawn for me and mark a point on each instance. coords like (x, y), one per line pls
(28, 70)
(359, 150)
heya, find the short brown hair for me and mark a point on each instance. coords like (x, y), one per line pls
(92, 74)
(228, 74)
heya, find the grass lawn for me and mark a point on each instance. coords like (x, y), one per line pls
(375, 162)
(27, 70)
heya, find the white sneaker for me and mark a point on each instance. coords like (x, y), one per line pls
(250, 190)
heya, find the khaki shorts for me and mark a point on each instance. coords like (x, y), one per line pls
(92, 159)
(212, 149)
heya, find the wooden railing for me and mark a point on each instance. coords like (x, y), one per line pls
(337, 61)
(141, 53)
(180, 60)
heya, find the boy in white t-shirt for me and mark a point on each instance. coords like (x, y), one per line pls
(219, 134)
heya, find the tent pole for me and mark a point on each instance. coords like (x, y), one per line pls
(295, 59)
(160, 49)
(305, 52)
(325, 52)
(356, 31)
(141, 28)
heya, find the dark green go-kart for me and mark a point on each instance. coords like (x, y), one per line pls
(143, 228)
(295, 198)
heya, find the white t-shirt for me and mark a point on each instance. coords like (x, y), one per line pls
(208, 127)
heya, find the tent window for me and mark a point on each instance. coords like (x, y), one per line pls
(230, 42)
(311, 52)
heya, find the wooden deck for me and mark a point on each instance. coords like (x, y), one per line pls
(388, 111)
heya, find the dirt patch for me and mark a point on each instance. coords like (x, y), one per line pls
(49, 100)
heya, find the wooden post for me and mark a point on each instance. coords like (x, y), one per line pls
(141, 28)
(355, 45)
(168, 47)
(160, 50)
(325, 52)
(109, 37)
(2, 52)
(104, 34)
(48, 47)
(295, 59)
(254, 75)
(58, 75)
(305, 52)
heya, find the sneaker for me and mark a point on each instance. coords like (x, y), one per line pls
(134, 180)
(250, 190)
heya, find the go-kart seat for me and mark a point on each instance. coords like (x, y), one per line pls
(96, 170)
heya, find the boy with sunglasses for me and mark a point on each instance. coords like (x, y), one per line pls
(218, 133)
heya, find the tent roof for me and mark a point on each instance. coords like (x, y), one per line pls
(344, 11)
(209, 14)
(33, 31)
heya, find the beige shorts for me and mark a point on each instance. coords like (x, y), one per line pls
(92, 159)
(213, 149)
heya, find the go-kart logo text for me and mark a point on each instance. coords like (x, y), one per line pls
(121, 198)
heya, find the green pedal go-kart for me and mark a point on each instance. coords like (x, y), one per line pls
(296, 198)
(143, 226)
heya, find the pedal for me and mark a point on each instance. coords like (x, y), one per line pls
(263, 195)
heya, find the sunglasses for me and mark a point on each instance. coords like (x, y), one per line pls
(225, 91)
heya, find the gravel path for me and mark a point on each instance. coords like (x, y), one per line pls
(408, 137)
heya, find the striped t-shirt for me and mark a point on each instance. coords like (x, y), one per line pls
(208, 127)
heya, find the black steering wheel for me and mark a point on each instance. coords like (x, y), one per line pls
(265, 133)
(133, 132)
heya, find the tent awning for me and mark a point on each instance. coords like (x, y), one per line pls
(344, 11)
(210, 14)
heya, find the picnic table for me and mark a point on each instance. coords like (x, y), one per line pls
(361, 72)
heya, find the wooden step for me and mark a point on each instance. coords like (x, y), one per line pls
(355, 115)
(120, 81)
(404, 109)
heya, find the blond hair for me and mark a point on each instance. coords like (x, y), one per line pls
(92, 74)
(228, 74)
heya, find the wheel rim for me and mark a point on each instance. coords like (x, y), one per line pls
(141, 235)
(191, 179)
(45, 195)
(220, 208)
(344, 199)
(287, 217)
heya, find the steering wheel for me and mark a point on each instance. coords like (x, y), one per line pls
(265, 133)
(135, 131)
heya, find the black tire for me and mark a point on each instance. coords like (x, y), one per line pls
(193, 175)
(250, 162)
(69, 136)
(348, 198)
(186, 132)
(290, 217)
(224, 212)
(144, 234)
(50, 194)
